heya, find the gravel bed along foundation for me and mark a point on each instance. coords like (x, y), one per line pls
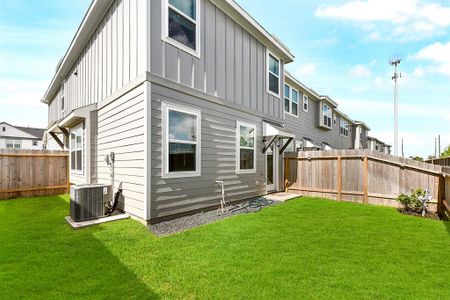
(202, 218)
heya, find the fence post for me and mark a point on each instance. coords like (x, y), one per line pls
(339, 178)
(286, 174)
(366, 180)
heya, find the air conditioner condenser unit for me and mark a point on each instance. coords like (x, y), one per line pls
(88, 202)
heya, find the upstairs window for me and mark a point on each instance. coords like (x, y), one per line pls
(273, 76)
(287, 98)
(290, 100)
(344, 127)
(181, 142)
(327, 113)
(246, 139)
(76, 149)
(183, 25)
(305, 103)
(63, 96)
(13, 144)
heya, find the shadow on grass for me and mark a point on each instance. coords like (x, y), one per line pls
(42, 256)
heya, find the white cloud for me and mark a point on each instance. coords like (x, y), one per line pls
(405, 19)
(306, 70)
(419, 71)
(378, 82)
(360, 71)
(325, 42)
(438, 54)
(22, 92)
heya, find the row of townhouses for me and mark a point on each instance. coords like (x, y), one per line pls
(185, 93)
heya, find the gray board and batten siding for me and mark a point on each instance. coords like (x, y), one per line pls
(232, 64)
(113, 57)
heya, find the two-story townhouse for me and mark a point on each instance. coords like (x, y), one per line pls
(375, 144)
(314, 119)
(185, 93)
(18, 137)
(360, 135)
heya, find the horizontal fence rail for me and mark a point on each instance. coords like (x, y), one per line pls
(360, 176)
(29, 173)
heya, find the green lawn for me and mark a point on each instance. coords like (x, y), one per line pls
(306, 248)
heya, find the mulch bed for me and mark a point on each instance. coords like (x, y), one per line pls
(429, 215)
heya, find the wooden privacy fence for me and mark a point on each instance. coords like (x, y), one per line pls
(443, 162)
(26, 173)
(360, 176)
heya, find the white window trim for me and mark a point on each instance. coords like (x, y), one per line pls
(344, 122)
(166, 107)
(305, 97)
(291, 101)
(78, 172)
(334, 120)
(238, 148)
(63, 98)
(14, 141)
(330, 115)
(165, 28)
(269, 72)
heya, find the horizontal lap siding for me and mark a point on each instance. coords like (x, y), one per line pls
(114, 56)
(172, 196)
(306, 126)
(121, 130)
(232, 63)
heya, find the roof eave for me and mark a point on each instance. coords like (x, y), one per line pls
(91, 20)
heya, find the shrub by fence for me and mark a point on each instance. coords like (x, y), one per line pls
(26, 173)
(360, 176)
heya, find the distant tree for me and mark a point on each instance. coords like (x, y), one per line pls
(431, 157)
(446, 152)
(417, 158)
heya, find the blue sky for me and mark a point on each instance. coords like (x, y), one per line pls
(342, 49)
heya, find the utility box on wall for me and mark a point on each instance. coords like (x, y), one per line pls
(89, 202)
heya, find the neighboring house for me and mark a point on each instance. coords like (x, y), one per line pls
(375, 144)
(185, 93)
(314, 119)
(16, 137)
(360, 135)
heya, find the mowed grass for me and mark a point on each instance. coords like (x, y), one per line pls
(306, 248)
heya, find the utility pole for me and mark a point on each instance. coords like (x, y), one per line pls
(439, 146)
(403, 149)
(395, 62)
